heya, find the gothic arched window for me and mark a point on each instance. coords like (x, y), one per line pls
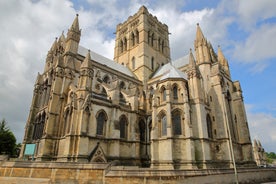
(176, 122)
(122, 85)
(86, 119)
(125, 44)
(39, 126)
(101, 119)
(152, 63)
(142, 128)
(137, 36)
(67, 122)
(121, 46)
(133, 62)
(159, 44)
(123, 127)
(163, 125)
(152, 39)
(209, 126)
(132, 39)
(175, 92)
(163, 93)
(162, 46)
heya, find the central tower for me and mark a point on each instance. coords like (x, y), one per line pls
(142, 44)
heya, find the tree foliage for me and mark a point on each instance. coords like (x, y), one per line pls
(7, 139)
(270, 157)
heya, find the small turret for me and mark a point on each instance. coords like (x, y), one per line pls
(191, 59)
(73, 37)
(61, 39)
(223, 61)
(86, 73)
(212, 52)
(50, 55)
(54, 46)
(87, 63)
(192, 70)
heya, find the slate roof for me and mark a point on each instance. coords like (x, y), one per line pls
(170, 70)
(173, 72)
(105, 61)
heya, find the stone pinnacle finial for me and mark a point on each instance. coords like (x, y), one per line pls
(199, 35)
(191, 58)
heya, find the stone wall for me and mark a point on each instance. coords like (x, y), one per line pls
(43, 172)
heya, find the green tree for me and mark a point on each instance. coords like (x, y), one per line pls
(7, 139)
(270, 157)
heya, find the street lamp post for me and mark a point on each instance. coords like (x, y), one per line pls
(230, 138)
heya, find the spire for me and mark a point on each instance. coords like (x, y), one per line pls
(38, 79)
(199, 35)
(212, 53)
(61, 38)
(223, 61)
(75, 25)
(87, 63)
(191, 59)
(221, 57)
(73, 37)
(202, 50)
(54, 45)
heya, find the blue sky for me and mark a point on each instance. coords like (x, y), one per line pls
(245, 31)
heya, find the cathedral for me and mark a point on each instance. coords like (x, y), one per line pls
(141, 108)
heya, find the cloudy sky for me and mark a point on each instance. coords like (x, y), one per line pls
(245, 30)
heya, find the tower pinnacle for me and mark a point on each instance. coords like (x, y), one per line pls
(223, 61)
(87, 63)
(73, 37)
(191, 59)
(199, 35)
(75, 25)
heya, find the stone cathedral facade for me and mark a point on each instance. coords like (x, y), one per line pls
(140, 108)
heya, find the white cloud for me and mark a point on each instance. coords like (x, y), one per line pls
(258, 46)
(262, 127)
(253, 11)
(251, 37)
(27, 30)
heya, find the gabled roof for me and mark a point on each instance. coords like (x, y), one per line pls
(173, 72)
(105, 61)
(171, 69)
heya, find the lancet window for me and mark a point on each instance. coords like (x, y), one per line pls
(209, 126)
(175, 92)
(176, 122)
(163, 93)
(133, 62)
(142, 128)
(39, 126)
(101, 121)
(123, 127)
